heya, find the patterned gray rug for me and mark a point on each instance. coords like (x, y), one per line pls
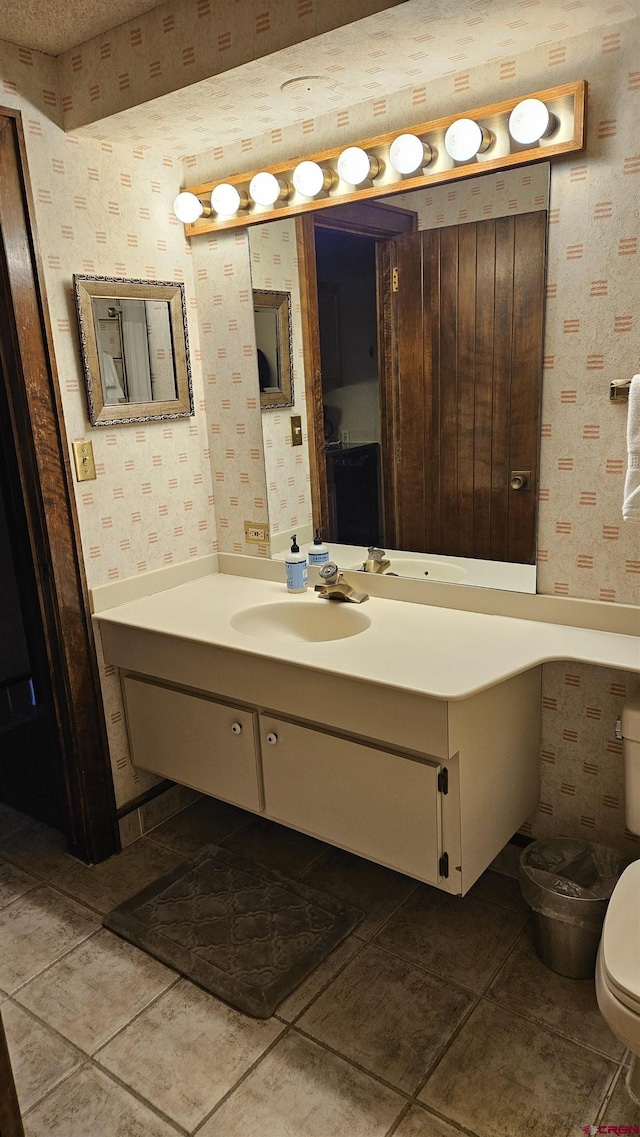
(244, 932)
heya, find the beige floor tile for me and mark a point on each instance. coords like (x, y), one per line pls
(504, 1076)
(275, 846)
(388, 1016)
(301, 1090)
(96, 989)
(461, 939)
(89, 1104)
(569, 1006)
(499, 889)
(187, 1051)
(376, 890)
(620, 1110)
(14, 883)
(36, 930)
(420, 1123)
(319, 979)
(106, 885)
(37, 849)
(39, 1058)
(206, 822)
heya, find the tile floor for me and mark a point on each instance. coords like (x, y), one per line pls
(433, 1019)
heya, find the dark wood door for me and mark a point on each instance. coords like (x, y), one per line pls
(467, 332)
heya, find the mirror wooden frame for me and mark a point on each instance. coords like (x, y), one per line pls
(280, 302)
(115, 414)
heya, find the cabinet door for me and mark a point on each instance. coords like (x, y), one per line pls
(378, 804)
(195, 741)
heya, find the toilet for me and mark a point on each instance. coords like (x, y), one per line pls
(618, 963)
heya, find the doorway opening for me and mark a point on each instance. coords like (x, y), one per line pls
(348, 328)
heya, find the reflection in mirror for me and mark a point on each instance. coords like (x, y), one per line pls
(134, 350)
(442, 438)
(272, 322)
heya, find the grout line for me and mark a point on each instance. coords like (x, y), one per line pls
(611, 1088)
(438, 1058)
(121, 1029)
(420, 966)
(175, 1125)
(53, 962)
(408, 1097)
(314, 998)
(70, 1074)
(404, 1112)
(236, 1085)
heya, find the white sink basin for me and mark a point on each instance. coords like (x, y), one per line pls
(423, 569)
(307, 621)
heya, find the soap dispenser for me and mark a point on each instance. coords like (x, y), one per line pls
(318, 552)
(296, 566)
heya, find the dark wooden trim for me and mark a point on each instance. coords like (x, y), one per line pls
(36, 422)
(308, 278)
(370, 219)
(144, 798)
(10, 1120)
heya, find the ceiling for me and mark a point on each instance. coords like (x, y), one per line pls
(54, 26)
(399, 48)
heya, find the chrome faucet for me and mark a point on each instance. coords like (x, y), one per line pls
(376, 561)
(335, 587)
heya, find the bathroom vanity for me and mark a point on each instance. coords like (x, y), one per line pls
(405, 733)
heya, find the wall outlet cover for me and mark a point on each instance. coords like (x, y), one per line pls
(256, 533)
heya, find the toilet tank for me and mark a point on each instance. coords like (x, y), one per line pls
(630, 731)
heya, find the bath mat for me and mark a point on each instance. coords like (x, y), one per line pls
(244, 932)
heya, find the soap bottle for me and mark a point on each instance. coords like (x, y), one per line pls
(318, 552)
(296, 566)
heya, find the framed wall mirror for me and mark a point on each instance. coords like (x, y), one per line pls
(135, 349)
(272, 321)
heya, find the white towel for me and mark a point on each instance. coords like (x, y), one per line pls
(631, 502)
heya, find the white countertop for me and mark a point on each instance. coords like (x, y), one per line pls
(434, 651)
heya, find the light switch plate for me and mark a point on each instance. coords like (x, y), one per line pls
(84, 463)
(296, 430)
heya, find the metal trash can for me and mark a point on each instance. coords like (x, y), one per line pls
(568, 885)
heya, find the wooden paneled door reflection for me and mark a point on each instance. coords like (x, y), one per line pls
(464, 388)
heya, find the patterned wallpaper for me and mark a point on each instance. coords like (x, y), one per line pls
(105, 209)
(184, 43)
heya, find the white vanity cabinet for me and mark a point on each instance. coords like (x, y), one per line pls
(205, 744)
(430, 787)
(383, 805)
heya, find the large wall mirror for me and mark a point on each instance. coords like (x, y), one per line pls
(426, 436)
(135, 353)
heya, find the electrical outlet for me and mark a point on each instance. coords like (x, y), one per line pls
(83, 459)
(345, 437)
(255, 534)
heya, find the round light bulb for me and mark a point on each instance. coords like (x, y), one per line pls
(188, 208)
(530, 121)
(310, 179)
(226, 199)
(355, 166)
(464, 139)
(408, 154)
(266, 189)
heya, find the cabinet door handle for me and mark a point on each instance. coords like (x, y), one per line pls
(236, 728)
(272, 738)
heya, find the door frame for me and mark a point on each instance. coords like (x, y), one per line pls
(44, 480)
(380, 222)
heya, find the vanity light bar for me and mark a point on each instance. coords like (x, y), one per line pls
(530, 128)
